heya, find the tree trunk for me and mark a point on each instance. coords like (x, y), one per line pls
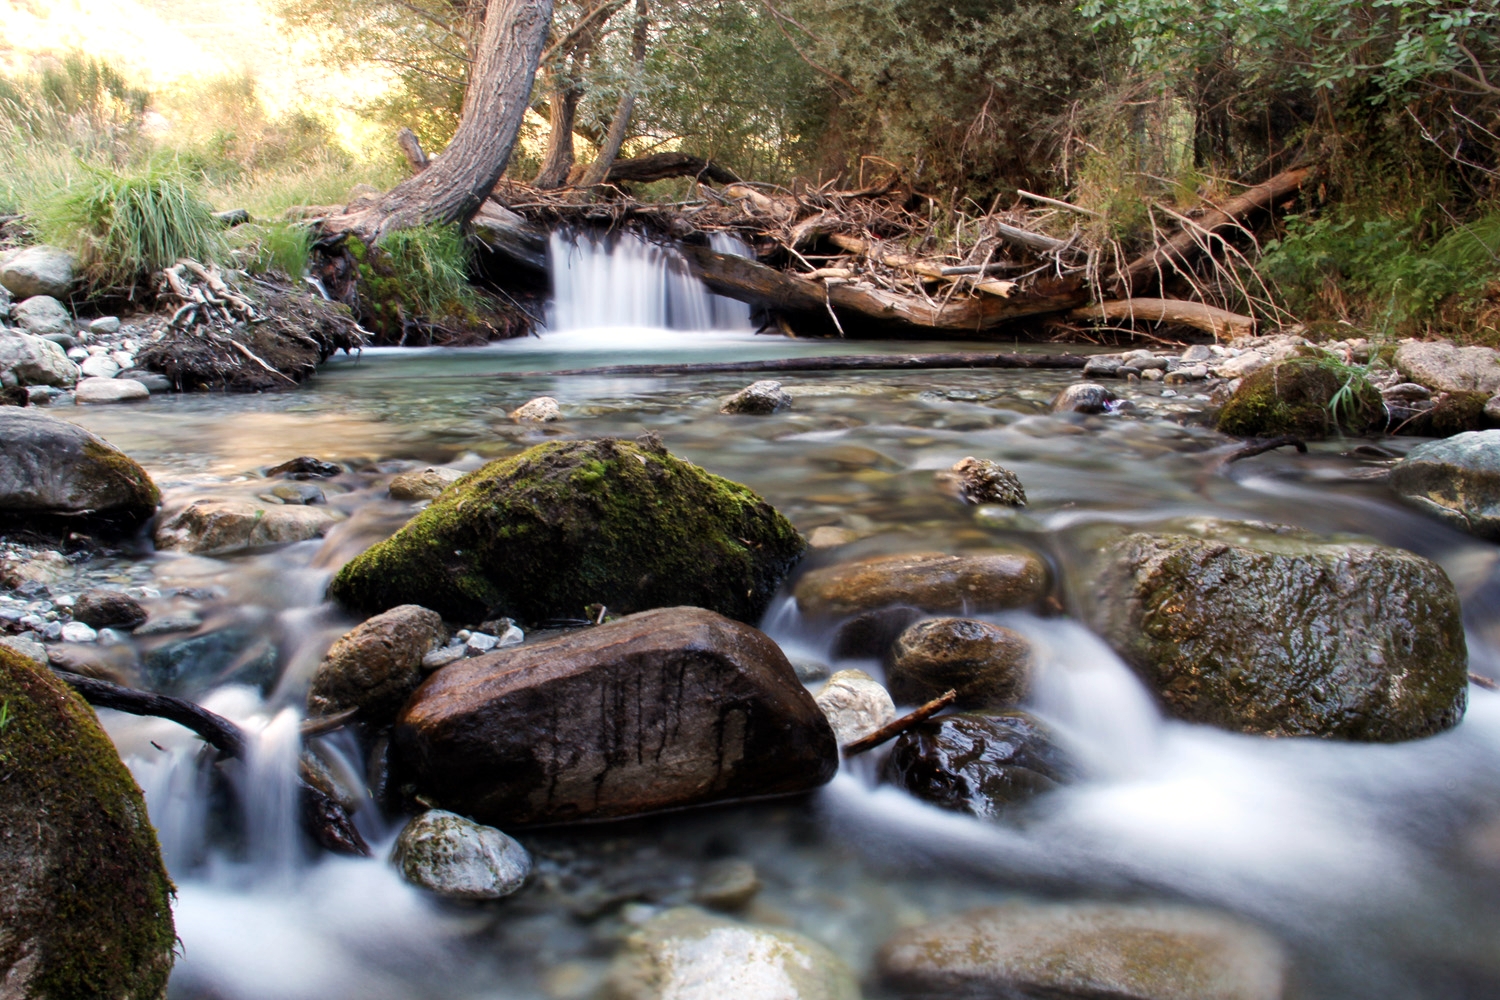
(559, 159)
(620, 123)
(457, 183)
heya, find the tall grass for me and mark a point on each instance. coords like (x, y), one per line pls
(431, 266)
(125, 226)
(274, 248)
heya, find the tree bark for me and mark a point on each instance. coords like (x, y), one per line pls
(620, 123)
(559, 158)
(659, 166)
(1220, 322)
(457, 183)
(411, 148)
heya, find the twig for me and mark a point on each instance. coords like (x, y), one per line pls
(252, 356)
(318, 725)
(1057, 204)
(215, 730)
(891, 730)
(845, 363)
(1261, 447)
(1483, 682)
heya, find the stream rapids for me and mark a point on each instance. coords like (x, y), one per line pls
(1376, 866)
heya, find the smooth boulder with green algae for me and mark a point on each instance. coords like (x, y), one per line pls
(85, 902)
(665, 709)
(564, 525)
(1269, 629)
(1307, 397)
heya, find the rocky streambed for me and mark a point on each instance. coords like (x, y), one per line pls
(1213, 733)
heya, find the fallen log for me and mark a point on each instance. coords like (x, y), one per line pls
(511, 235)
(766, 287)
(1219, 322)
(1144, 270)
(324, 820)
(1026, 238)
(926, 268)
(660, 166)
(839, 363)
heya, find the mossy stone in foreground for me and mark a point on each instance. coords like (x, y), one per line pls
(1267, 629)
(564, 525)
(85, 908)
(1294, 397)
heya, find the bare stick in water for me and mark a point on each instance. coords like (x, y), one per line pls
(891, 730)
(844, 363)
(1261, 447)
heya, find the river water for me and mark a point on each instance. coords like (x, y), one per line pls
(1376, 866)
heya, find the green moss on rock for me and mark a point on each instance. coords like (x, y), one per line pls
(1297, 396)
(568, 524)
(84, 898)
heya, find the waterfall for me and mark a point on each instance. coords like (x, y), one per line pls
(624, 281)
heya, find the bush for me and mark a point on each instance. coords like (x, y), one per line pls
(417, 275)
(282, 248)
(124, 227)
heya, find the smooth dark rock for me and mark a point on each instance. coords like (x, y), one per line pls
(978, 764)
(1084, 397)
(669, 708)
(870, 633)
(987, 665)
(108, 609)
(194, 664)
(561, 526)
(55, 474)
(305, 467)
(1266, 629)
(85, 901)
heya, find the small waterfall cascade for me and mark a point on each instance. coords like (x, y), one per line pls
(626, 281)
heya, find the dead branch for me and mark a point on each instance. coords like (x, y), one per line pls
(895, 728)
(1222, 323)
(1261, 447)
(411, 148)
(842, 363)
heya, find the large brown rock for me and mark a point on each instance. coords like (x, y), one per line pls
(987, 666)
(377, 665)
(979, 764)
(664, 709)
(85, 902)
(988, 580)
(1086, 950)
(215, 526)
(55, 474)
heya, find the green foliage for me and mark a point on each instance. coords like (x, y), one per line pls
(282, 248)
(414, 275)
(4, 714)
(124, 226)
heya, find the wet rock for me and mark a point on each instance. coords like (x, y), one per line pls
(855, 705)
(85, 900)
(987, 665)
(1084, 397)
(377, 665)
(108, 609)
(810, 671)
(1456, 480)
(829, 536)
(659, 710)
(105, 324)
(299, 493)
(976, 581)
(606, 522)
(99, 366)
(686, 954)
(41, 316)
(38, 270)
(757, 399)
(1103, 366)
(53, 472)
(978, 764)
(172, 621)
(305, 467)
(425, 484)
(1272, 630)
(1296, 397)
(979, 480)
(114, 665)
(457, 858)
(78, 632)
(1086, 950)
(186, 666)
(28, 360)
(727, 885)
(26, 647)
(213, 527)
(440, 658)
(1446, 368)
(110, 390)
(542, 410)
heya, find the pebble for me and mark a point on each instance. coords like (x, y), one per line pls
(479, 642)
(78, 632)
(105, 324)
(439, 658)
(172, 621)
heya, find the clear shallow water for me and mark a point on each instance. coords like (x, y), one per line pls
(1369, 862)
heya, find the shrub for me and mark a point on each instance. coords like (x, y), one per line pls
(417, 275)
(124, 227)
(279, 247)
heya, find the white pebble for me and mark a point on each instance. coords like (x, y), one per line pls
(478, 642)
(78, 632)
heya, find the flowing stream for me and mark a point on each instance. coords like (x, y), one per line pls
(1376, 865)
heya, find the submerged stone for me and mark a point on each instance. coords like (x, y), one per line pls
(457, 858)
(985, 580)
(978, 764)
(1266, 629)
(1086, 951)
(669, 708)
(85, 901)
(55, 474)
(215, 526)
(564, 525)
(1457, 480)
(687, 954)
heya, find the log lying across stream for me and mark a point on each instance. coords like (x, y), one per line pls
(840, 363)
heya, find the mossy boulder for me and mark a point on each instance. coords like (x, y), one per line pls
(1267, 629)
(85, 902)
(56, 475)
(564, 525)
(1303, 396)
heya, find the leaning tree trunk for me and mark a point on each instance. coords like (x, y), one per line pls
(457, 183)
(618, 125)
(559, 160)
